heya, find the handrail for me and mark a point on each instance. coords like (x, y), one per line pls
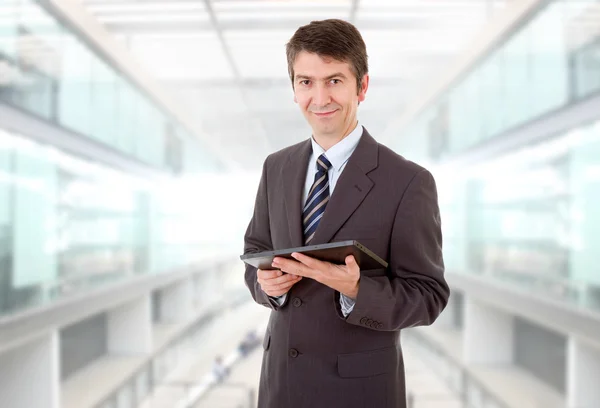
(201, 321)
(250, 391)
(466, 382)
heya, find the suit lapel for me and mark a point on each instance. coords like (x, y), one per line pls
(351, 189)
(294, 176)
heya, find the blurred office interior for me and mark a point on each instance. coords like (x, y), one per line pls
(132, 134)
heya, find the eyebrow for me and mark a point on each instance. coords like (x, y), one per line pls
(337, 74)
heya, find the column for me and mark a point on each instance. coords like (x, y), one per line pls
(30, 374)
(176, 304)
(130, 328)
(447, 319)
(488, 334)
(583, 372)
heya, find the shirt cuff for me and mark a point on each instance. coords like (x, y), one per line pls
(347, 304)
(278, 299)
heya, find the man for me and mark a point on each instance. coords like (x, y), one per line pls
(333, 335)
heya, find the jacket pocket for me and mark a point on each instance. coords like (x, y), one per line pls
(266, 341)
(368, 364)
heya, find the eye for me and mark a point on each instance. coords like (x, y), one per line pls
(305, 82)
(335, 81)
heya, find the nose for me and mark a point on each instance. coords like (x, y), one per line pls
(321, 96)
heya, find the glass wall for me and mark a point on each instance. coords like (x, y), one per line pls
(67, 225)
(48, 70)
(530, 218)
(550, 62)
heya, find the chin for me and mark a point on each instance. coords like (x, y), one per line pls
(324, 130)
(326, 127)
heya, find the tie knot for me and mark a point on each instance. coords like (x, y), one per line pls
(322, 163)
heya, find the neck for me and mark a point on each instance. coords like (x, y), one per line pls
(327, 141)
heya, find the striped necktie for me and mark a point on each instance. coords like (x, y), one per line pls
(317, 200)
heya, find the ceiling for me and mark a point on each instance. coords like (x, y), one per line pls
(225, 59)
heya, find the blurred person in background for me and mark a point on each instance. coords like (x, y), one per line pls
(333, 338)
(249, 343)
(220, 371)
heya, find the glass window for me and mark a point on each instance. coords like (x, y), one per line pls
(584, 167)
(32, 59)
(459, 116)
(49, 70)
(472, 109)
(6, 223)
(104, 102)
(587, 70)
(9, 17)
(549, 79)
(142, 385)
(516, 75)
(545, 64)
(34, 215)
(97, 209)
(65, 224)
(9, 71)
(75, 93)
(530, 218)
(125, 397)
(492, 94)
(123, 139)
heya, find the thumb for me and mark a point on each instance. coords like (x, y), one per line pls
(350, 261)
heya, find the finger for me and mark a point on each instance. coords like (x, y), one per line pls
(352, 264)
(283, 285)
(268, 274)
(281, 288)
(350, 261)
(312, 263)
(280, 279)
(293, 267)
(279, 292)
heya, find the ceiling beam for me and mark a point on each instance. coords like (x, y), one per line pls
(353, 10)
(214, 22)
(250, 25)
(234, 68)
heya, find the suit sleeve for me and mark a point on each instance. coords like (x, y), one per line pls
(414, 292)
(258, 239)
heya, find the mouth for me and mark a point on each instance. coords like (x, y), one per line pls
(324, 114)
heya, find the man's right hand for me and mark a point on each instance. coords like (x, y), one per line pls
(276, 283)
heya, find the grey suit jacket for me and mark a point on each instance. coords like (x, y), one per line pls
(313, 356)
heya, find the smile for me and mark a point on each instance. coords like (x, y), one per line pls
(325, 114)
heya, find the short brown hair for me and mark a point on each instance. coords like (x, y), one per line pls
(337, 39)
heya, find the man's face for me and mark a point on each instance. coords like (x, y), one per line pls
(327, 93)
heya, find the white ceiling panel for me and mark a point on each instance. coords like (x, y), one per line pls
(260, 61)
(182, 56)
(124, 7)
(233, 5)
(259, 54)
(225, 59)
(148, 18)
(211, 101)
(299, 17)
(428, 4)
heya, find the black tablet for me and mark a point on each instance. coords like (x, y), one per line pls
(335, 252)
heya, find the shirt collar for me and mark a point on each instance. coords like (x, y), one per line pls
(339, 153)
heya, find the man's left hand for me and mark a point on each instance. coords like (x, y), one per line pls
(343, 278)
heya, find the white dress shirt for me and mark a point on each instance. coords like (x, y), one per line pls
(338, 156)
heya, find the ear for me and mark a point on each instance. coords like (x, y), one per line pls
(295, 99)
(364, 85)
